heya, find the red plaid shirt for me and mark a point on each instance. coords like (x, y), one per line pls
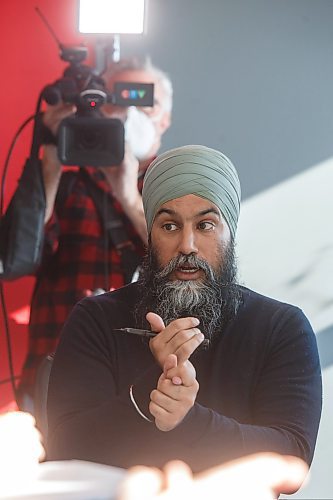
(76, 262)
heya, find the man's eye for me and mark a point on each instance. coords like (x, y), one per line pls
(206, 226)
(169, 226)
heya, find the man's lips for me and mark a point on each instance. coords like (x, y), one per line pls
(187, 269)
(186, 272)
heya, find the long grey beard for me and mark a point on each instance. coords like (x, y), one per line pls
(214, 300)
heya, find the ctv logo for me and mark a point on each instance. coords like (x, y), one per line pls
(133, 94)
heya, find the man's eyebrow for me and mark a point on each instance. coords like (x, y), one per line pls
(167, 211)
(209, 210)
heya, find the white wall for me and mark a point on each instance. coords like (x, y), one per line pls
(285, 250)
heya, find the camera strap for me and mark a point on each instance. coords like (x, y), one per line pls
(114, 227)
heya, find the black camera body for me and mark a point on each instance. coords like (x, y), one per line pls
(87, 137)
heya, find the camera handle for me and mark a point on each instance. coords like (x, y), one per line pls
(106, 51)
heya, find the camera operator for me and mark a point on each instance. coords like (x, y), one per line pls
(79, 257)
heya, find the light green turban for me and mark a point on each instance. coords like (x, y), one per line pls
(196, 170)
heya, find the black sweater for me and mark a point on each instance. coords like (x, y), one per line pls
(260, 388)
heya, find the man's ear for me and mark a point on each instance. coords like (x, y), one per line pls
(165, 121)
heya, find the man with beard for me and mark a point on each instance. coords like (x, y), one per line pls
(122, 400)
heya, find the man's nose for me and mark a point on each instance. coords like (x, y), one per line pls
(187, 242)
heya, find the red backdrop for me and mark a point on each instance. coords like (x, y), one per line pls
(30, 60)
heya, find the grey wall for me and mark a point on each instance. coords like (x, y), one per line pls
(251, 77)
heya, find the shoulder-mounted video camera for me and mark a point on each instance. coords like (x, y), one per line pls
(87, 137)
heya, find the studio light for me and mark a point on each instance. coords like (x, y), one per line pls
(112, 16)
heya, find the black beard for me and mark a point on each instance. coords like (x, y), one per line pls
(213, 300)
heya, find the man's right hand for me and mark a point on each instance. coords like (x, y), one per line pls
(181, 337)
(51, 165)
(52, 118)
(53, 115)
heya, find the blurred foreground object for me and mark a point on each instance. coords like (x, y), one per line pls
(21, 447)
(256, 477)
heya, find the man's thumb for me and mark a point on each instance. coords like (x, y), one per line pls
(156, 322)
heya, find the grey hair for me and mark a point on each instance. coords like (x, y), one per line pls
(145, 64)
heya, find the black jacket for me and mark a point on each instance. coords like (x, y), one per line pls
(260, 388)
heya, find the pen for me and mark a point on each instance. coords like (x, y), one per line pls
(150, 334)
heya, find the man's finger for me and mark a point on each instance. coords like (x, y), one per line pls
(184, 372)
(170, 363)
(156, 322)
(141, 483)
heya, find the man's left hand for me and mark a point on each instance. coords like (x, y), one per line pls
(123, 182)
(123, 179)
(175, 394)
